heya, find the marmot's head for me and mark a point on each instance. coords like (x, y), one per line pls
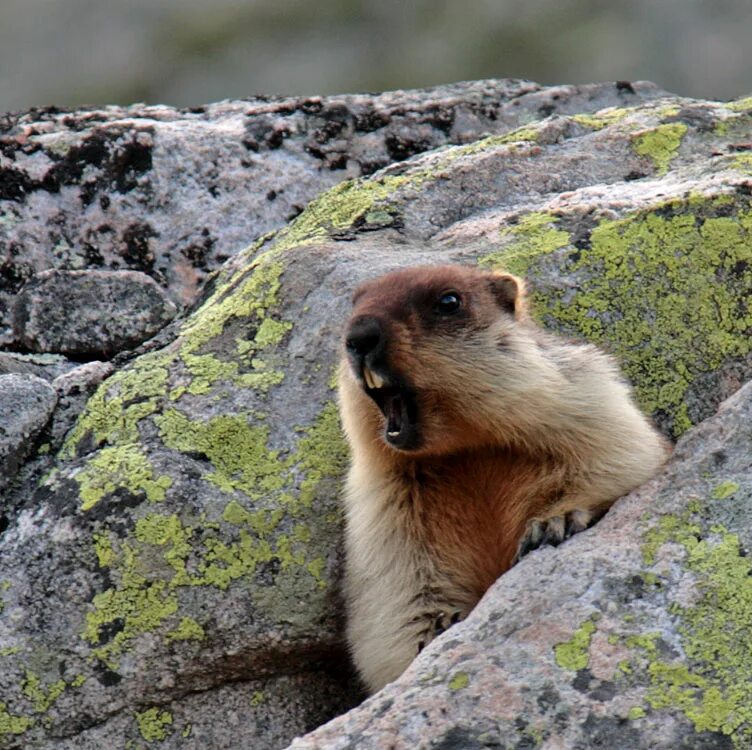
(433, 349)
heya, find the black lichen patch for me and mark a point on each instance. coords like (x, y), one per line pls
(265, 132)
(15, 184)
(106, 677)
(14, 272)
(369, 119)
(197, 253)
(119, 164)
(442, 118)
(608, 733)
(129, 162)
(135, 249)
(331, 122)
(459, 738)
(625, 87)
(401, 147)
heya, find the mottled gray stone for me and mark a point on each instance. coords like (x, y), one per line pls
(26, 404)
(89, 313)
(46, 366)
(174, 193)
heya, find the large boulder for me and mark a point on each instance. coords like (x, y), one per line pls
(89, 313)
(173, 577)
(174, 193)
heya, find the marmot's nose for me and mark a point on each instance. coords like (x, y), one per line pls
(365, 336)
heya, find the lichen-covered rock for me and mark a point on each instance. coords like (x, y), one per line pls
(26, 404)
(174, 193)
(73, 389)
(89, 313)
(193, 508)
(632, 635)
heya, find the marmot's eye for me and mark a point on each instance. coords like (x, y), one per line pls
(448, 303)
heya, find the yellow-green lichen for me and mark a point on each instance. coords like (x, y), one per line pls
(740, 105)
(710, 681)
(459, 681)
(668, 528)
(636, 712)
(741, 163)
(154, 724)
(236, 447)
(166, 553)
(13, 724)
(112, 414)
(257, 698)
(187, 630)
(603, 118)
(340, 207)
(665, 290)
(714, 687)
(724, 490)
(124, 467)
(42, 698)
(574, 654)
(533, 234)
(243, 304)
(321, 453)
(660, 144)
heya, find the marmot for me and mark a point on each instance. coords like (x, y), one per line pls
(475, 437)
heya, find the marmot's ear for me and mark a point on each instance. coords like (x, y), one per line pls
(509, 292)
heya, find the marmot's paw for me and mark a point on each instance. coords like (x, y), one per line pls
(438, 623)
(553, 531)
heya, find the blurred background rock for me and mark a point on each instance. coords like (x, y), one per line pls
(188, 52)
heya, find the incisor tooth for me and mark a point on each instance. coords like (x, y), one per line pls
(378, 381)
(368, 377)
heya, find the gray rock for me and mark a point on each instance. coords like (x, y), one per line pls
(73, 391)
(89, 313)
(193, 509)
(174, 193)
(26, 404)
(632, 635)
(47, 366)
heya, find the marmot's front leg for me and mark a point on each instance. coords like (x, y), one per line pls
(556, 529)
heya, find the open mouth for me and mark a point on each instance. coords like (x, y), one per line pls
(398, 405)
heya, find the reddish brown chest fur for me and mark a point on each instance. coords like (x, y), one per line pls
(470, 510)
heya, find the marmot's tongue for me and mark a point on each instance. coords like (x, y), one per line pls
(396, 417)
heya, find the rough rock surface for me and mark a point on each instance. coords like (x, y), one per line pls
(74, 388)
(89, 313)
(47, 366)
(174, 193)
(632, 635)
(26, 404)
(192, 511)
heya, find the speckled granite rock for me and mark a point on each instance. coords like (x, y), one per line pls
(193, 508)
(174, 193)
(89, 314)
(26, 404)
(632, 635)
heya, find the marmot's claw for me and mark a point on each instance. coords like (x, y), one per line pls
(553, 531)
(440, 622)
